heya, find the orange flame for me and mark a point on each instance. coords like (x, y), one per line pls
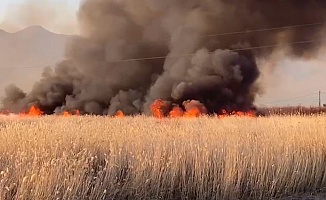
(193, 109)
(193, 112)
(67, 113)
(119, 114)
(33, 111)
(245, 114)
(176, 112)
(238, 114)
(223, 115)
(158, 107)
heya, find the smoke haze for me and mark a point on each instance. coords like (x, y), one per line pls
(107, 68)
(56, 17)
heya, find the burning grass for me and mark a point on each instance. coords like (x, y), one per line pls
(146, 158)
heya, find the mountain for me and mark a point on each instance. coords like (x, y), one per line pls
(3, 33)
(24, 53)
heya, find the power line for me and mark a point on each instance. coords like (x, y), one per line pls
(293, 98)
(267, 29)
(218, 34)
(264, 29)
(192, 54)
(239, 49)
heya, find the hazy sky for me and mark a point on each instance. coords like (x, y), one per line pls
(295, 82)
(55, 15)
(292, 82)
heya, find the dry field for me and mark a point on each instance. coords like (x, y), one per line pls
(292, 110)
(146, 158)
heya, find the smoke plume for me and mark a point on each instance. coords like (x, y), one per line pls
(131, 53)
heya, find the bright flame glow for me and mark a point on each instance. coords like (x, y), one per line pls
(119, 114)
(192, 110)
(67, 113)
(176, 112)
(158, 107)
(33, 112)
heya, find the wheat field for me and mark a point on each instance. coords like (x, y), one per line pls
(145, 158)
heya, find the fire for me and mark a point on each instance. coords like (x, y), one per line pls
(245, 114)
(67, 113)
(193, 112)
(194, 109)
(189, 113)
(176, 112)
(224, 114)
(158, 107)
(33, 111)
(120, 114)
(237, 113)
(189, 109)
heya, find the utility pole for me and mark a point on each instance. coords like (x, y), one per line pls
(319, 98)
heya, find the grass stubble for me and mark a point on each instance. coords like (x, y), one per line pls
(145, 158)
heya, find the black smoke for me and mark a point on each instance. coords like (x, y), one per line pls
(133, 52)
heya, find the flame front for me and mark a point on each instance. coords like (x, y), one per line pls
(158, 107)
(192, 109)
(238, 114)
(176, 112)
(194, 112)
(67, 113)
(33, 111)
(244, 114)
(120, 114)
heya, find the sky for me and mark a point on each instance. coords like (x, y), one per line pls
(54, 15)
(294, 83)
(291, 82)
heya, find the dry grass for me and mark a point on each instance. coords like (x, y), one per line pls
(292, 110)
(145, 158)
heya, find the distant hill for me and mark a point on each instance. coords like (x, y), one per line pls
(2, 32)
(28, 48)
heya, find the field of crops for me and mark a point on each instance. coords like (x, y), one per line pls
(76, 157)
